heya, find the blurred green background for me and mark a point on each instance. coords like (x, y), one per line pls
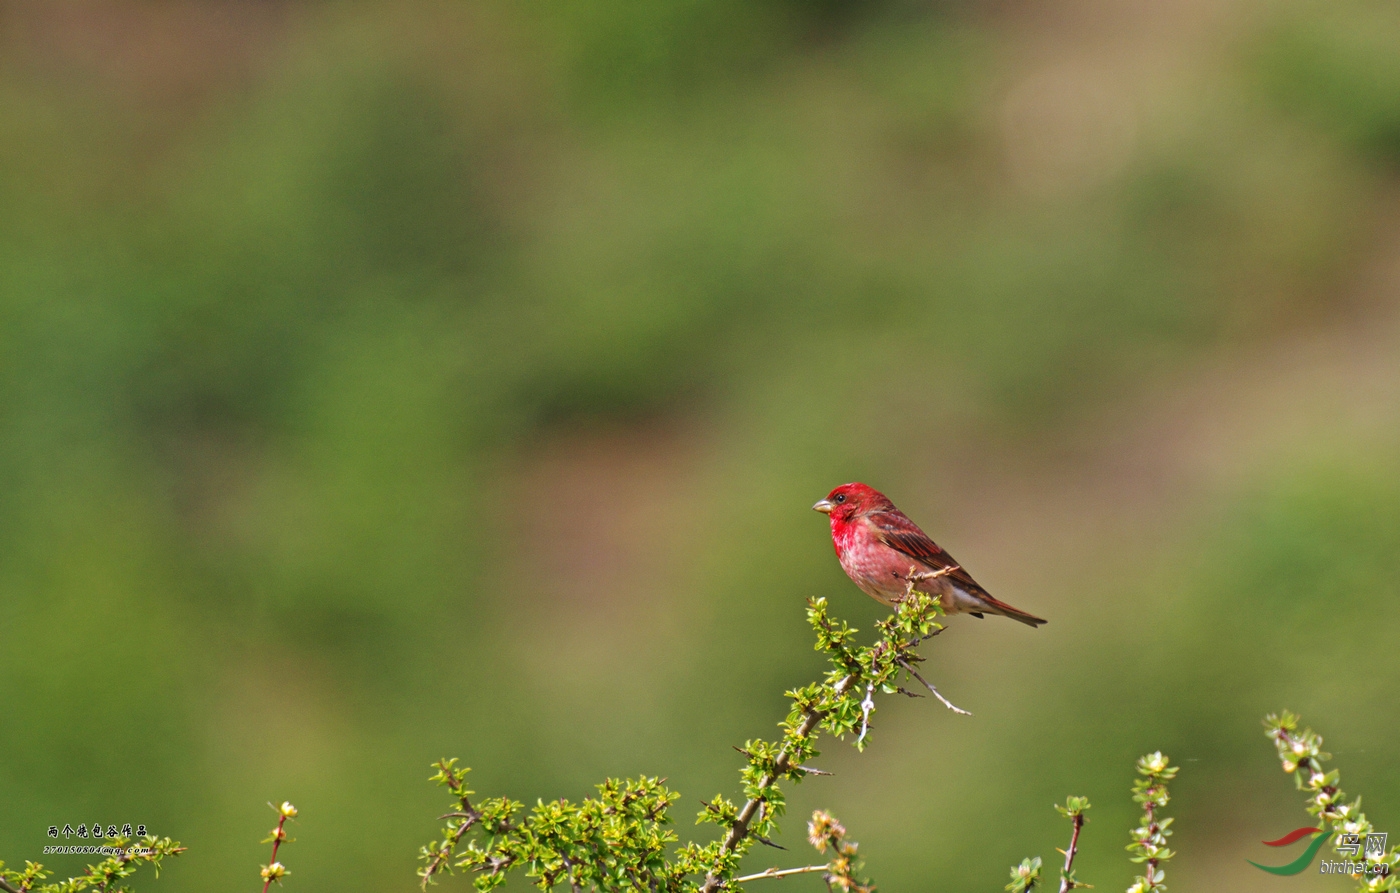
(380, 382)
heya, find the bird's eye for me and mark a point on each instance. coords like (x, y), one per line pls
(841, 497)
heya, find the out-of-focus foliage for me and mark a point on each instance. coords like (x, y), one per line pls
(383, 381)
(1336, 65)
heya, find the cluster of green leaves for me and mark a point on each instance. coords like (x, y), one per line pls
(1302, 757)
(1150, 838)
(616, 841)
(619, 840)
(106, 876)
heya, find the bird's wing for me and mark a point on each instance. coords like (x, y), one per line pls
(899, 533)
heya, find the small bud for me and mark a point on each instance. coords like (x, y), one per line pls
(274, 872)
(287, 810)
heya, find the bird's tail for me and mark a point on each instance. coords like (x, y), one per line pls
(999, 607)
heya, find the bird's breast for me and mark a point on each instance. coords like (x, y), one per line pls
(873, 566)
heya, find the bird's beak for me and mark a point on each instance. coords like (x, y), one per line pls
(824, 507)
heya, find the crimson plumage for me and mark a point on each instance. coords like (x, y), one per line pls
(877, 546)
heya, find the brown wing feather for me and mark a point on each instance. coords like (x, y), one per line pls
(898, 532)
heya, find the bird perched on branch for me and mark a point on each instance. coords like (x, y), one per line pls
(881, 550)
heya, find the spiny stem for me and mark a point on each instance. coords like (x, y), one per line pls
(1065, 884)
(276, 842)
(469, 818)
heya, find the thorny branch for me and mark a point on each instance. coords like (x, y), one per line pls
(868, 669)
(465, 813)
(1068, 871)
(740, 829)
(1073, 810)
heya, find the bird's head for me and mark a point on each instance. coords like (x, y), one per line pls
(849, 500)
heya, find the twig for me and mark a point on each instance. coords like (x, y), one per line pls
(469, 816)
(916, 576)
(5, 885)
(936, 693)
(774, 872)
(740, 829)
(812, 717)
(866, 706)
(1065, 883)
(569, 870)
(766, 841)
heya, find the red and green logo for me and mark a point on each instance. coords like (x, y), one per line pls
(1300, 864)
(1349, 844)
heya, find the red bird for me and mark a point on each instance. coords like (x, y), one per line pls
(877, 545)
